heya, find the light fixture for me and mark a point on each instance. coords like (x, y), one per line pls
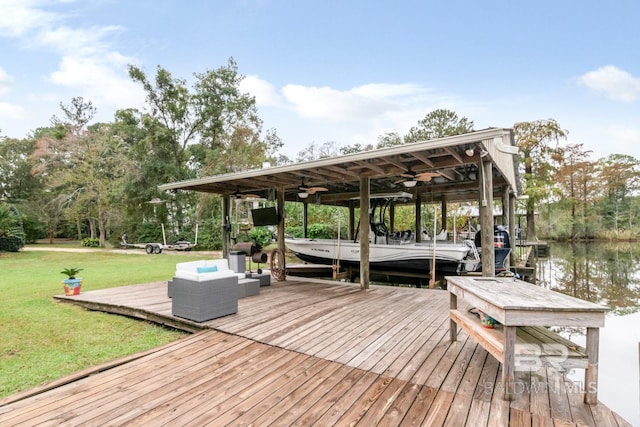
(508, 149)
(303, 194)
(410, 183)
(469, 152)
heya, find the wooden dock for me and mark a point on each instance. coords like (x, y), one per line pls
(303, 352)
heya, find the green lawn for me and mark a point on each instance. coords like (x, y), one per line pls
(42, 340)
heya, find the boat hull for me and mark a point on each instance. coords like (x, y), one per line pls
(414, 257)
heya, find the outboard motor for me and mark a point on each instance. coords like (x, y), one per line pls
(502, 235)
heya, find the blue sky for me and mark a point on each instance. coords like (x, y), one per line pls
(341, 71)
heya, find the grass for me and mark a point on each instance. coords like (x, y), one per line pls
(43, 340)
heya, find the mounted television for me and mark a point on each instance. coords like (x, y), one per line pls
(264, 216)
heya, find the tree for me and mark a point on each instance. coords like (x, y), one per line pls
(12, 236)
(438, 124)
(274, 145)
(539, 151)
(212, 128)
(620, 178)
(17, 183)
(572, 178)
(84, 170)
(315, 151)
(389, 139)
(355, 148)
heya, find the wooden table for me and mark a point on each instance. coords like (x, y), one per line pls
(515, 304)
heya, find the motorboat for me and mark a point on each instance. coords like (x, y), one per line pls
(450, 257)
(389, 251)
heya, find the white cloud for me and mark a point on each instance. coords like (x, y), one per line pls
(79, 41)
(19, 17)
(263, 91)
(615, 83)
(6, 81)
(10, 111)
(88, 65)
(363, 102)
(100, 80)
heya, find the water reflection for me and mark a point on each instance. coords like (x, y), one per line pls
(606, 274)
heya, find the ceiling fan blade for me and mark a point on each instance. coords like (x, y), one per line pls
(400, 181)
(426, 176)
(408, 174)
(313, 190)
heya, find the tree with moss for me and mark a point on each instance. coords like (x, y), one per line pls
(573, 175)
(539, 155)
(619, 181)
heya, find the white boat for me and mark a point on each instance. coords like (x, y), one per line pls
(389, 252)
(450, 257)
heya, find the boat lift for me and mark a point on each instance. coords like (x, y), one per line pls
(157, 248)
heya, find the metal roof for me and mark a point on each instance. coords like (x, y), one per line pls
(450, 157)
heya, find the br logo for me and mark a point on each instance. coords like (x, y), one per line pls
(531, 357)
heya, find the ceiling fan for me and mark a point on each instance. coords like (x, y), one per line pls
(239, 195)
(305, 190)
(411, 178)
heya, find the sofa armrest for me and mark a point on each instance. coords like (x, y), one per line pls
(202, 277)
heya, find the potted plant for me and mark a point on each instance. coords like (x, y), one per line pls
(72, 283)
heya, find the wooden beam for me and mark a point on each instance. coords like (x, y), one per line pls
(280, 204)
(512, 226)
(423, 159)
(226, 227)
(305, 215)
(364, 233)
(486, 218)
(453, 153)
(371, 166)
(418, 210)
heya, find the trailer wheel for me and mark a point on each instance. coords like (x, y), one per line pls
(149, 249)
(157, 249)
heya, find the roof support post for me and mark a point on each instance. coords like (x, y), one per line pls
(352, 220)
(226, 227)
(512, 228)
(418, 217)
(486, 217)
(364, 232)
(305, 216)
(392, 217)
(280, 203)
(443, 213)
(506, 219)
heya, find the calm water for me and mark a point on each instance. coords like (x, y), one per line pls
(607, 274)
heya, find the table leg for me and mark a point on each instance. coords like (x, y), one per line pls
(453, 327)
(509, 363)
(591, 373)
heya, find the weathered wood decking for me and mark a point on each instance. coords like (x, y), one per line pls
(304, 353)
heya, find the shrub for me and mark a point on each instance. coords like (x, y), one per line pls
(91, 243)
(11, 244)
(262, 236)
(12, 235)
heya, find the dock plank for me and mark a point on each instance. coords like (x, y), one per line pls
(302, 352)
